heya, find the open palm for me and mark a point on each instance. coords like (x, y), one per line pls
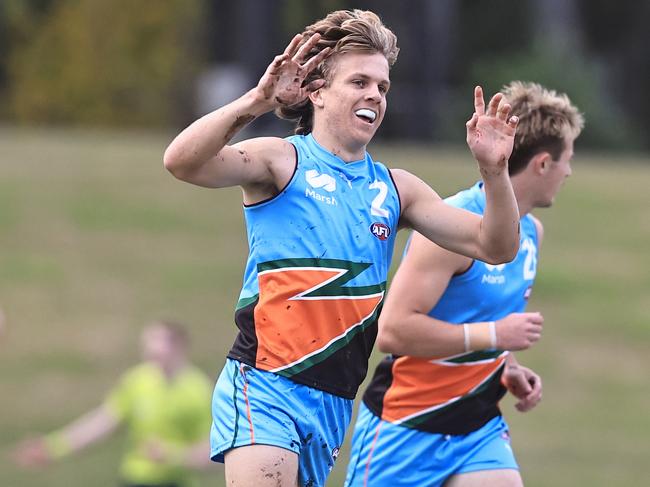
(491, 133)
(282, 83)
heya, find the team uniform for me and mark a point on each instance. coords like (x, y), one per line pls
(173, 413)
(319, 254)
(425, 419)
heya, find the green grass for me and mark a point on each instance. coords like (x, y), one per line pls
(96, 239)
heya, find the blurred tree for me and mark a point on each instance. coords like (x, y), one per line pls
(105, 62)
(296, 14)
(618, 38)
(477, 36)
(579, 77)
(18, 18)
(136, 63)
(541, 41)
(421, 76)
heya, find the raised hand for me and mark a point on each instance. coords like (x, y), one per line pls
(519, 331)
(282, 83)
(491, 133)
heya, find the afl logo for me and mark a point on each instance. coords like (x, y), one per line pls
(379, 230)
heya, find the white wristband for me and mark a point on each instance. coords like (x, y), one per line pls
(493, 334)
(480, 336)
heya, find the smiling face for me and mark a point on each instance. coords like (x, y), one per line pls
(350, 108)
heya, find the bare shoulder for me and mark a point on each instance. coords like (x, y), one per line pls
(270, 161)
(278, 156)
(418, 200)
(411, 188)
(271, 150)
(403, 179)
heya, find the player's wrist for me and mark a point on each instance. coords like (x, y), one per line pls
(492, 174)
(479, 336)
(259, 103)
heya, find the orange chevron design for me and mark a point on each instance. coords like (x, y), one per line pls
(420, 385)
(291, 328)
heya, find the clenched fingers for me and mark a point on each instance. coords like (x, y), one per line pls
(533, 397)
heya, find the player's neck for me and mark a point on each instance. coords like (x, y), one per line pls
(523, 195)
(348, 152)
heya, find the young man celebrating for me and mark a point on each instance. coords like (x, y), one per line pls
(430, 416)
(321, 218)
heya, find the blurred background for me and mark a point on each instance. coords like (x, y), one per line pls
(96, 239)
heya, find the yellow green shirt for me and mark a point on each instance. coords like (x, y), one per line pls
(176, 413)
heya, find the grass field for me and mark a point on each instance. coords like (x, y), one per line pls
(96, 239)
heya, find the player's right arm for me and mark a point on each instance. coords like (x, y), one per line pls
(405, 328)
(200, 154)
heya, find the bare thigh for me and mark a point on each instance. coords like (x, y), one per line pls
(506, 477)
(261, 466)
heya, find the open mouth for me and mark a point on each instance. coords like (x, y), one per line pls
(366, 115)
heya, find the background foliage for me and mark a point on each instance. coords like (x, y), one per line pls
(136, 62)
(100, 63)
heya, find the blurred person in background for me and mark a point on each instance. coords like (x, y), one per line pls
(164, 403)
(430, 415)
(321, 218)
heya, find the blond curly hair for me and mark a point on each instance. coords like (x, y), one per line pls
(547, 120)
(341, 31)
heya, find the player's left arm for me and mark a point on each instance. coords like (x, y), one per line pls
(523, 383)
(494, 237)
(488, 239)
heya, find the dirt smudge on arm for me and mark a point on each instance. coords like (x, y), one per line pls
(240, 122)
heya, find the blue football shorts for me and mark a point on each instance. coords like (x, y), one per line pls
(256, 407)
(387, 454)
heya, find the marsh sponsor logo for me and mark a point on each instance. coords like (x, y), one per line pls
(329, 200)
(494, 275)
(318, 181)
